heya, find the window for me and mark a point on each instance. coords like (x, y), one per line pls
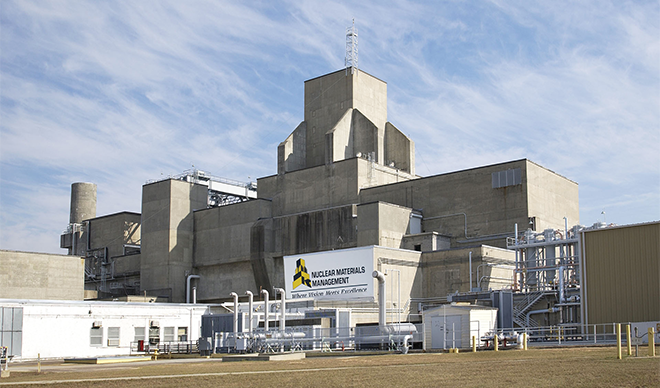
(183, 334)
(168, 334)
(96, 336)
(113, 336)
(139, 334)
(511, 177)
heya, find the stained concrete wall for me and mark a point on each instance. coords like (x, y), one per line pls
(222, 249)
(447, 272)
(167, 236)
(27, 275)
(464, 204)
(382, 224)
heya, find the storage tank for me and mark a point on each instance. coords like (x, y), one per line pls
(83, 202)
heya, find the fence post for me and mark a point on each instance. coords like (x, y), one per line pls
(474, 344)
(496, 346)
(594, 334)
(618, 341)
(524, 341)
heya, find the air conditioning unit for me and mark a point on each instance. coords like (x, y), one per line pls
(154, 324)
(96, 324)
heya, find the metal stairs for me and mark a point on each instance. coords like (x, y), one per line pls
(521, 307)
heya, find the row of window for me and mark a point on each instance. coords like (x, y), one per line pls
(170, 334)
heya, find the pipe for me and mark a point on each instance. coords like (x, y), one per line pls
(194, 295)
(188, 279)
(250, 300)
(235, 295)
(265, 294)
(550, 310)
(470, 261)
(381, 299)
(282, 308)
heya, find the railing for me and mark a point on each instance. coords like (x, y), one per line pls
(169, 347)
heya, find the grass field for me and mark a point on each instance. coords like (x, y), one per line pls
(582, 367)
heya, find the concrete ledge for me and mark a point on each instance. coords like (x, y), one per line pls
(264, 357)
(106, 360)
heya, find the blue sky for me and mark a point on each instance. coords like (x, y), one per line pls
(122, 92)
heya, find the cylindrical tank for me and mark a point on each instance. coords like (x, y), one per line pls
(83, 202)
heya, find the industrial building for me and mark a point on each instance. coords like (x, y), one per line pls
(351, 237)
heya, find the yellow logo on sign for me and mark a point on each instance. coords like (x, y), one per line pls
(301, 276)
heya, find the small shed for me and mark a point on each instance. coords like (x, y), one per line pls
(453, 325)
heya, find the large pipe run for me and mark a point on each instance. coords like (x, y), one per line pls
(235, 295)
(188, 280)
(381, 299)
(282, 308)
(265, 294)
(250, 300)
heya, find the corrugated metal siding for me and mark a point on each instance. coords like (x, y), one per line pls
(622, 270)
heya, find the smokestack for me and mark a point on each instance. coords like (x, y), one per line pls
(83, 202)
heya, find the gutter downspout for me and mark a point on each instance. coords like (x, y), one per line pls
(381, 299)
(188, 280)
(265, 294)
(251, 297)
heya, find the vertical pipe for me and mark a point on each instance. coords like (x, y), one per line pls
(235, 295)
(381, 299)
(618, 341)
(524, 341)
(594, 334)
(250, 301)
(282, 308)
(194, 295)
(188, 280)
(470, 261)
(474, 344)
(628, 342)
(265, 294)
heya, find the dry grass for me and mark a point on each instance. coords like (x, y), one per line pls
(593, 367)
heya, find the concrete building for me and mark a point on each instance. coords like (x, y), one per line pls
(345, 179)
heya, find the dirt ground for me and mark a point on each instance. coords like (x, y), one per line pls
(584, 367)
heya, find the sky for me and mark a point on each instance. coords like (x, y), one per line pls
(122, 92)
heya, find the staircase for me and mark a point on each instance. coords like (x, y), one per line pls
(522, 306)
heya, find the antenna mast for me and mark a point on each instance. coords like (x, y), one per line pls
(351, 59)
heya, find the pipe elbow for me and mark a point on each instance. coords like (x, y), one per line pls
(249, 293)
(378, 275)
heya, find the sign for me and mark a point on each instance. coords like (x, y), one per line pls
(330, 275)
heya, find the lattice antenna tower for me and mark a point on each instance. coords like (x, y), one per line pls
(351, 60)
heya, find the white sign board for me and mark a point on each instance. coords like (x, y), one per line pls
(336, 275)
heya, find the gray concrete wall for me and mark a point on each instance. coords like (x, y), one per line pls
(399, 149)
(382, 224)
(327, 98)
(115, 230)
(167, 235)
(551, 197)
(447, 272)
(403, 279)
(291, 153)
(444, 198)
(27, 275)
